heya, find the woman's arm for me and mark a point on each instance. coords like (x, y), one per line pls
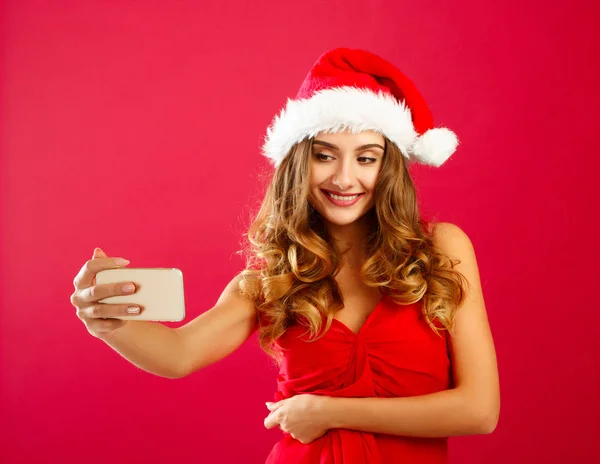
(219, 331)
(178, 352)
(471, 407)
(442, 414)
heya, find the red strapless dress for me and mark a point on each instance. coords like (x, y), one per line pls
(394, 354)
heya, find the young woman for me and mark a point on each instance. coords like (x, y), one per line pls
(375, 315)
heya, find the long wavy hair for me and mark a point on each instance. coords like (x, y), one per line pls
(291, 264)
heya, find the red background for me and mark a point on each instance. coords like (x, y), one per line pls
(136, 127)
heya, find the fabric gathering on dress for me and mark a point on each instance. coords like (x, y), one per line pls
(394, 354)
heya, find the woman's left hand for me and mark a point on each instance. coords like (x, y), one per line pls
(302, 416)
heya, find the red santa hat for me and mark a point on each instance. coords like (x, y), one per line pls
(357, 90)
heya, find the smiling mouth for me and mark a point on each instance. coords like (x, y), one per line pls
(345, 201)
(342, 197)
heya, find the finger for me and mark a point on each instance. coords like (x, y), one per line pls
(274, 406)
(89, 270)
(271, 421)
(108, 311)
(98, 253)
(96, 293)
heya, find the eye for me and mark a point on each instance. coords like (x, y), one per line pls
(369, 159)
(366, 159)
(320, 155)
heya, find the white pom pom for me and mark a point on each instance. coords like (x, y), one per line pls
(435, 146)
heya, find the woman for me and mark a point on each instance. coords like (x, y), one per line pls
(375, 316)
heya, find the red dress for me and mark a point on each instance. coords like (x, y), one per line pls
(394, 354)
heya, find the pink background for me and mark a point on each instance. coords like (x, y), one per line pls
(136, 126)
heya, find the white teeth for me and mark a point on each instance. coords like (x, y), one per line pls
(337, 197)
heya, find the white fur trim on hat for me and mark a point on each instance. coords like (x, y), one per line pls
(435, 146)
(338, 109)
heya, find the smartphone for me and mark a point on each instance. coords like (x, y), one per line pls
(159, 292)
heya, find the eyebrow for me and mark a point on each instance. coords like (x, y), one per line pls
(334, 147)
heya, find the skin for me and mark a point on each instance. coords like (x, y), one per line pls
(345, 169)
(87, 294)
(471, 407)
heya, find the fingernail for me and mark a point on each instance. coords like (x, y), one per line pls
(121, 262)
(133, 310)
(128, 288)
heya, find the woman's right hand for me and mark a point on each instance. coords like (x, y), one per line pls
(99, 318)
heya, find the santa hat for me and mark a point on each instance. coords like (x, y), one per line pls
(357, 90)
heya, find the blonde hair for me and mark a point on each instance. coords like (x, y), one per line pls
(290, 264)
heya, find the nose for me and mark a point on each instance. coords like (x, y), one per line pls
(344, 177)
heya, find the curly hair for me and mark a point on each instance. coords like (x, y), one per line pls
(291, 265)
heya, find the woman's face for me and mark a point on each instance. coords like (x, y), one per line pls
(344, 165)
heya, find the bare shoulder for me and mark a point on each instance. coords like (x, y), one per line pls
(232, 294)
(451, 239)
(456, 244)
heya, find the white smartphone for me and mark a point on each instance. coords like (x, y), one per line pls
(159, 292)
